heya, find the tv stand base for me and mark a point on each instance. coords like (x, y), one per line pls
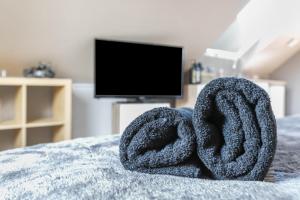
(125, 112)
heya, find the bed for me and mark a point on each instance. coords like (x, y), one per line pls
(89, 168)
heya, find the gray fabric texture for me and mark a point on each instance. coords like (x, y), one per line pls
(161, 141)
(235, 129)
(90, 168)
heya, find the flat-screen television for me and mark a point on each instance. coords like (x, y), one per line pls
(126, 69)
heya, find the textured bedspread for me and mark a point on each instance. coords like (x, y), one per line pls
(90, 169)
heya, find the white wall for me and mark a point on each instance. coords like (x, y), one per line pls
(290, 72)
(91, 117)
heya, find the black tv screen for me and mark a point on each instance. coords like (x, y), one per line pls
(124, 69)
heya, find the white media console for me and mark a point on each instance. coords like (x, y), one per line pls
(124, 113)
(276, 90)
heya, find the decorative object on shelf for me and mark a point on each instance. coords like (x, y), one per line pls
(41, 71)
(195, 73)
(3, 73)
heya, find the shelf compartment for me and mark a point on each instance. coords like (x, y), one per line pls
(11, 99)
(38, 135)
(44, 122)
(12, 138)
(39, 103)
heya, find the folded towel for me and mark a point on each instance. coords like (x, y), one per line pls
(161, 141)
(235, 129)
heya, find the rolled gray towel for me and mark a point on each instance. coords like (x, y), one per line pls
(235, 129)
(161, 141)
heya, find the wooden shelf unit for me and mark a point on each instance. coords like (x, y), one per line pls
(61, 103)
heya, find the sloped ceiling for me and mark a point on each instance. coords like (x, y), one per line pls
(272, 56)
(62, 31)
(268, 24)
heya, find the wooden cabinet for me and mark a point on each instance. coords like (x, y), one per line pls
(275, 89)
(22, 108)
